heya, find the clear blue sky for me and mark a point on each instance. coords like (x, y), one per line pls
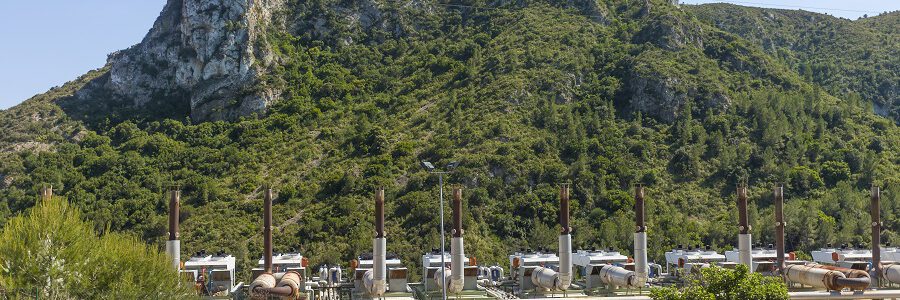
(44, 43)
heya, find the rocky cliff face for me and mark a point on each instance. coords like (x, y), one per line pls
(209, 53)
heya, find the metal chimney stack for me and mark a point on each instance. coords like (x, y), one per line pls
(875, 210)
(457, 255)
(565, 240)
(779, 229)
(379, 245)
(641, 267)
(744, 238)
(173, 245)
(267, 231)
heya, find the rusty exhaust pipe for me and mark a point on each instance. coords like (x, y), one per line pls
(779, 229)
(641, 268)
(267, 231)
(173, 245)
(744, 238)
(875, 210)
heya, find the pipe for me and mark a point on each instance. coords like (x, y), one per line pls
(891, 273)
(815, 277)
(379, 245)
(641, 267)
(850, 273)
(565, 241)
(267, 231)
(779, 229)
(544, 278)
(457, 253)
(261, 284)
(442, 277)
(869, 294)
(744, 238)
(618, 276)
(875, 211)
(173, 245)
(290, 280)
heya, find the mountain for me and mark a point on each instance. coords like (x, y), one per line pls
(327, 100)
(849, 58)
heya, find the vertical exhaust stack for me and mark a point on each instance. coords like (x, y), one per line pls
(565, 240)
(875, 210)
(641, 268)
(779, 229)
(379, 245)
(744, 238)
(267, 231)
(457, 255)
(173, 245)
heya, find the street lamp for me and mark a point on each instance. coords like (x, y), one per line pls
(431, 169)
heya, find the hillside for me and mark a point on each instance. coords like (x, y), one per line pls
(849, 58)
(342, 97)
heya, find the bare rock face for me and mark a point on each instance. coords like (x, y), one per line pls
(207, 52)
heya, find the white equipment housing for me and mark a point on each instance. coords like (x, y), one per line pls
(219, 271)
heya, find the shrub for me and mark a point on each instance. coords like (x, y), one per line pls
(53, 253)
(724, 284)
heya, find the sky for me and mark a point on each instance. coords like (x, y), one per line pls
(45, 43)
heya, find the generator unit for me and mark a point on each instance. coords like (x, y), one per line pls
(397, 274)
(846, 256)
(681, 261)
(432, 271)
(213, 274)
(603, 268)
(763, 259)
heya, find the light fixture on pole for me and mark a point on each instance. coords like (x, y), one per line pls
(431, 169)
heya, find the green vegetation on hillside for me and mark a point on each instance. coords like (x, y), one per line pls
(852, 59)
(52, 253)
(526, 97)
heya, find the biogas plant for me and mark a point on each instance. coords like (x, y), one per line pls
(834, 272)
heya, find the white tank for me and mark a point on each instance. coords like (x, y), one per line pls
(335, 274)
(545, 278)
(441, 277)
(892, 273)
(323, 273)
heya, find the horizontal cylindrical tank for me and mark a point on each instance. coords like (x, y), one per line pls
(293, 280)
(544, 278)
(823, 278)
(617, 276)
(442, 277)
(892, 273)
(262, 283)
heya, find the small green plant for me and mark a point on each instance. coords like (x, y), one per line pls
(725, 284)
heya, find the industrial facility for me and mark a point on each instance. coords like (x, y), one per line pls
(834, 272)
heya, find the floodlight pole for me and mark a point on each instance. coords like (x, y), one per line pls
(443, 252)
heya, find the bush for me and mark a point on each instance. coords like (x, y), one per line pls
(724, 284)
(53, 253)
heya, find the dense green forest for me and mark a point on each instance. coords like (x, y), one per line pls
(851, 59)
(526, 95)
